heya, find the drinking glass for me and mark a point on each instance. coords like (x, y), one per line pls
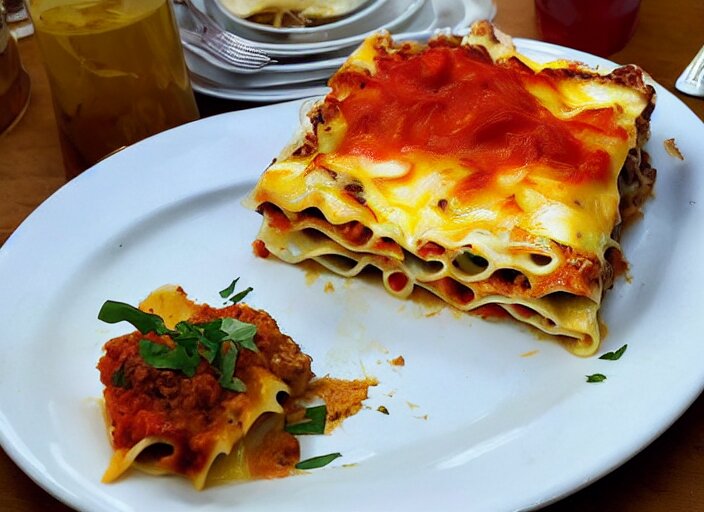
(117, 73)
(602, 27)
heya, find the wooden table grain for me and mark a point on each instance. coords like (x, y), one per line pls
(667, 475)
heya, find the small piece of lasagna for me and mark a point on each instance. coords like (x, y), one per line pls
(169, 415)
(462, 167)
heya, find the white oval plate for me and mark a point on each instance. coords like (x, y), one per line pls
(472, 423)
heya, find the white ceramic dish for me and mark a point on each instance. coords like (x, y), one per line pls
(472, 423)
(271, 94)
(202, 67)
(368, 9)
(394, 14)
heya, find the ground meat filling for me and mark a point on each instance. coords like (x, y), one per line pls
(143, 401)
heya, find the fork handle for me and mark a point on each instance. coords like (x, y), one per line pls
(691, 81)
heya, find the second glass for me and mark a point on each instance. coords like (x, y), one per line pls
(116, 71)
(602, 27)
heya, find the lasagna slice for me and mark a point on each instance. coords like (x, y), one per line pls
(462, 167)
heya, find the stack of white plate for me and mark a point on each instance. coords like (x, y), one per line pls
(307, 56)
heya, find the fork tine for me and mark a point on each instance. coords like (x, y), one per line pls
(237, 51)
(215, 29)
(235, 58)
(238, 62)
(237, 46)
(244, 63)
(229, 47)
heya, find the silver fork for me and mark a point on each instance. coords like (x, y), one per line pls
(691, 81)
(222, 44)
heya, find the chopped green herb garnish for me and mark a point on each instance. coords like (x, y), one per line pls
(239, 332)
(230, 289)
(160, 356)
(238, 297)
(218, 342)
(318, 462)
(597, 377)
(228, 358)
(118, 378)
(113, 312)
(227, 292)
(614, 356)
(313, 424)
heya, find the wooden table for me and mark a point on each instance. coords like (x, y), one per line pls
(668, 475)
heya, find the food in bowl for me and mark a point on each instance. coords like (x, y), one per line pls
(292, 13)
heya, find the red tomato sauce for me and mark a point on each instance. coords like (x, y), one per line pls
(191, 412)
(398, 281)
(163, 403)
(454, 101)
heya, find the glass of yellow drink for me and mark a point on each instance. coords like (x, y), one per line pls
(117, 73)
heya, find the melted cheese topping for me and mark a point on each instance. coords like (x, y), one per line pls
(467, 169)
(507, 145)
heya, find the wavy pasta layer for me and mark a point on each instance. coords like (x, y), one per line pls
(465, 168)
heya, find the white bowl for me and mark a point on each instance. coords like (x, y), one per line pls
(367, 9)
(394, 14)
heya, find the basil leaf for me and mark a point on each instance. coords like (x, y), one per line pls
(227, 292)
(228, 380)
(597, 377)
(113, 312)
(318, 462)
(163, 357)
(209, 349)
(218, 341)
(212, 331)
(239, 332)
(230, 289)
(118, 378)
(235, 384)
(236, 298)
(315, 424)
(614, 356)
(193, 337)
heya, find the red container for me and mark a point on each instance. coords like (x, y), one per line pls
(601, 27)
